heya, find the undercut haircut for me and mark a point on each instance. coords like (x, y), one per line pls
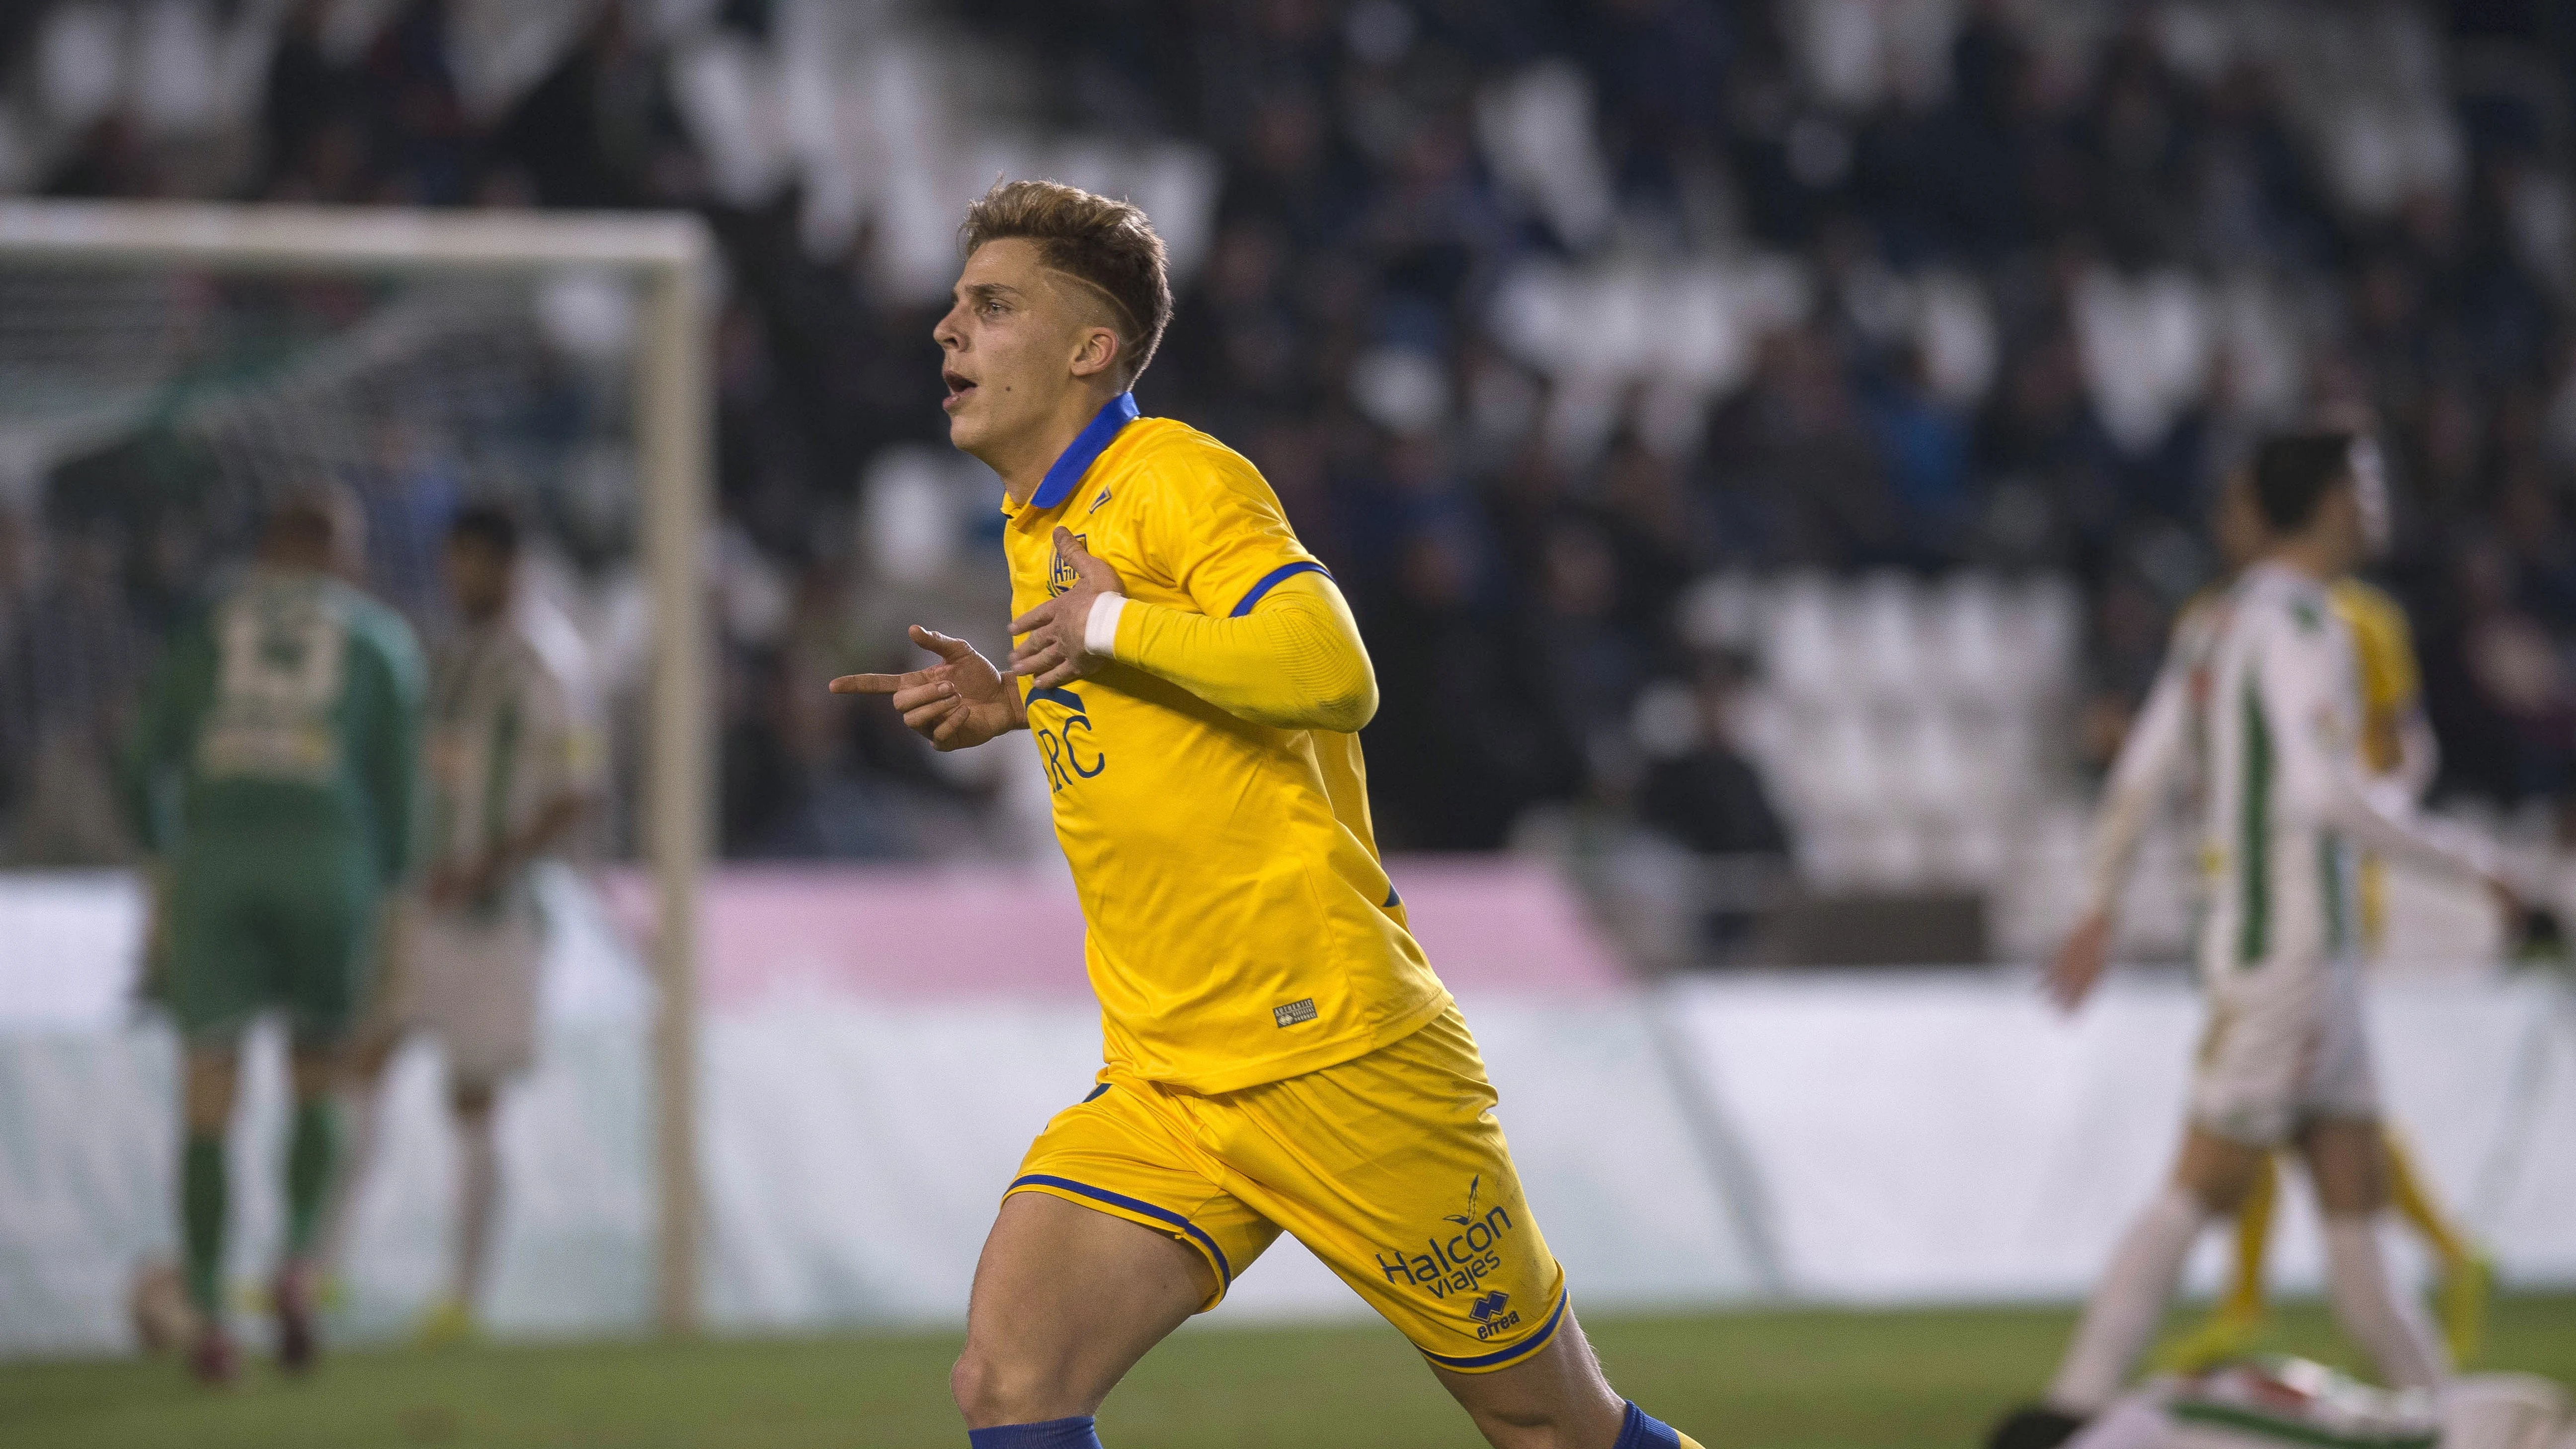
(2293, 473)
(492, 525)
(1108, 247)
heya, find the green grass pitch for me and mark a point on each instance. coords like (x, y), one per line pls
(1802, 1379)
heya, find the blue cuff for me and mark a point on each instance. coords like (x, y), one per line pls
(1053, 1434)
(1638, 1431)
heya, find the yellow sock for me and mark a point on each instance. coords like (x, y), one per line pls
(2413, 1197)
(2245, 1300)
(2466, 1278)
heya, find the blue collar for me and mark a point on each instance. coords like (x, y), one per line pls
(1088, 445)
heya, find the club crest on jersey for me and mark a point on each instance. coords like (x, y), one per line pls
(1459, 1261)
(1060, 575)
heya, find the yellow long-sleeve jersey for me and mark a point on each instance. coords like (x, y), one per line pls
(1209, 792)
(1295, 662)
(2391, 685)
(2392, 688)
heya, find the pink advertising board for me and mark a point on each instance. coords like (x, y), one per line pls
(938, 932)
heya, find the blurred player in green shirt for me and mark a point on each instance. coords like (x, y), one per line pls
(270, 779)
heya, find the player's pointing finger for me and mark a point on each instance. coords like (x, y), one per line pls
(868, 683)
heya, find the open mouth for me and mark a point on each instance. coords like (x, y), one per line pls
(960, 388)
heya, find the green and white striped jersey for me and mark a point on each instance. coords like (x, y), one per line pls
(506, 740)
(2159, 753)
(2275, 711)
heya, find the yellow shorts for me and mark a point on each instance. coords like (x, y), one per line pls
(1389, 1167)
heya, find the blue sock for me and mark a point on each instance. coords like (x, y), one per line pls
(1053, 1434)
(1637, 1431)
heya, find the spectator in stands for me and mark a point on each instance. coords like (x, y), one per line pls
(307, 95)
(1710, 797)
(423, 137)
(595, 131)
(1923, 451)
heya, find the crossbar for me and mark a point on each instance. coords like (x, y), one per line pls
(254, 237)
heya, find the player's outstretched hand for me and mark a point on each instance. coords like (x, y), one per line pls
(1050, 635)
(2077, 966)
(960, 701)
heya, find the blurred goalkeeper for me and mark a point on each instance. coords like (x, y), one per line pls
(270, 778)
(1280, 1057)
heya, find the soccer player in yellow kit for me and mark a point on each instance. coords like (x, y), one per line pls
(1280, 1057)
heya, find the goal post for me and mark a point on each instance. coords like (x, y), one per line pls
(668, 257)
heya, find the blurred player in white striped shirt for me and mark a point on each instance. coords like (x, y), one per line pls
(2272, 708)
(512, 772)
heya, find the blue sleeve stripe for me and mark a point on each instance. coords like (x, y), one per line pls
(1224, 1270)
(1272, 580)
(1522, 1349)
(1392, 899)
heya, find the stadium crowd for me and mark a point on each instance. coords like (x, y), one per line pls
(2093, 185)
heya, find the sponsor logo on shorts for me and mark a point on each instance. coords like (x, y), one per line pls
(1459, 1262)
(1294, 1012)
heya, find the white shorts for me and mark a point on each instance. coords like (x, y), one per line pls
(2285, 1046)
(473, 985)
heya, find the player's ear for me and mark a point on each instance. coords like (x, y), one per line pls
(1096, 352)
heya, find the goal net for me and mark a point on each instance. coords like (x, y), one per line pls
(166, 371)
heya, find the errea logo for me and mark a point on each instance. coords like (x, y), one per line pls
(1487, 1305)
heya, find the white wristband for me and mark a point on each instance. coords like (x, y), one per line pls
(1100, 631)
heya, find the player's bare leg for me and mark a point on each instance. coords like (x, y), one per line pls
(2348, 1162)
(1066, 1301)
(1557, 1398)
(478, 1201)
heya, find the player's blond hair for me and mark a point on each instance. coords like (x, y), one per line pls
(1107, 246)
